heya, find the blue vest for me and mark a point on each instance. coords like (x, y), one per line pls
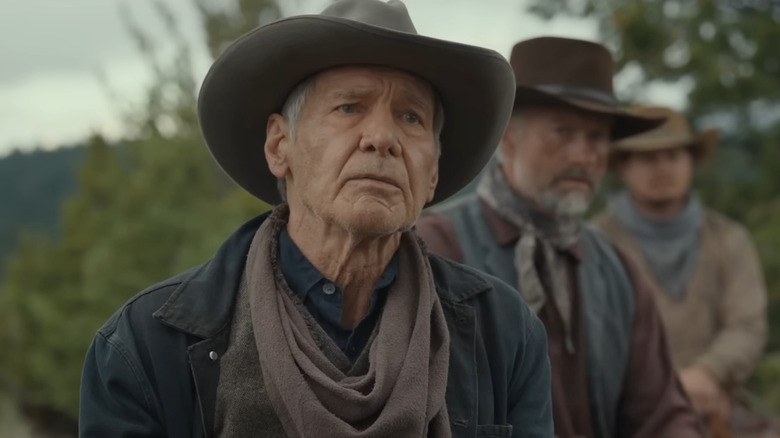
(606, 297)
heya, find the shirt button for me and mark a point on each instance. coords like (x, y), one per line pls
(329, 288)
(213, 355)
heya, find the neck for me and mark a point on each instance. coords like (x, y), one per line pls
(660, 210)
(352, 260)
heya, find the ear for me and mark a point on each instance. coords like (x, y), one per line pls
(508, 140)
(276, 145)
(433, 182)
(623, 167)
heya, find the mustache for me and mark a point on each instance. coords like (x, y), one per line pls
(578, 173)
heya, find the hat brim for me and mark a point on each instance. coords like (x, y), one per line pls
(701, 144)
(625, 124)
(254, 76)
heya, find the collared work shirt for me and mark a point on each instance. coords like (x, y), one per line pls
(323, 298)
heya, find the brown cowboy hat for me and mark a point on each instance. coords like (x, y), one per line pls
(673, 133)
(254, 76)
(575, 73)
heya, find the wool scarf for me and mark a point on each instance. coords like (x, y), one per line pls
(670, 246)
(403, 391)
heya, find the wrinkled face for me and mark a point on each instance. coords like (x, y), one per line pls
(363, 155)
(658, 176)
(556, 156)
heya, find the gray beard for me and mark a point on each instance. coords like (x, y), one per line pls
(566, 205)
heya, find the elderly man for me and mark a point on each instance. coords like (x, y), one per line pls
(326, 317)
(612, 376)
(702, 267)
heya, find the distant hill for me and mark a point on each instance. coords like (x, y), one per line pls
(32, 188)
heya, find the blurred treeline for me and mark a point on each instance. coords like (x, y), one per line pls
(31, 188)
(156, 204)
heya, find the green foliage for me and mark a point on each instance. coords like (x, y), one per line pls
(766, 377)
(725, 53)
(128, 227)
(143, 212)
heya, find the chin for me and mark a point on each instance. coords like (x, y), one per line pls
(372, 221)
(569, 204)
(664, 196)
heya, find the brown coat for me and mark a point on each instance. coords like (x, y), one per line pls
(721, 321)
(653, 401)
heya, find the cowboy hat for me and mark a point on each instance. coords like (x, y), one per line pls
(673, 133)
(252, 78)
(574, 73)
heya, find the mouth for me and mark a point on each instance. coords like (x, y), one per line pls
(376, 179)
(579, 182)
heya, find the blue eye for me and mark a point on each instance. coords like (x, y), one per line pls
(347, 108)
(412, 118)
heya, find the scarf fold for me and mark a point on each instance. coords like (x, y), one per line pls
(540, 250)
(670, 246)
(403, 391)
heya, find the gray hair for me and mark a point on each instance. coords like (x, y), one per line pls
(293, 105)
(291, 110)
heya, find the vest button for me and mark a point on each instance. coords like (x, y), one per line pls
(213, 355)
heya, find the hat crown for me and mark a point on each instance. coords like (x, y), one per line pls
(389, 15)
(562, 64)
(675, 125)
(674, 132)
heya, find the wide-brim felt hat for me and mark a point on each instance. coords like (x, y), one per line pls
(675, 132)
(572, 72)
(252, 78)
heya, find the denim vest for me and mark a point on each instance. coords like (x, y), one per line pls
(606, 294)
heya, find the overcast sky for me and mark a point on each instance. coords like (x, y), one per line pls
(52, 50)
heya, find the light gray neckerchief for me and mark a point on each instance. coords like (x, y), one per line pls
(537, 230)
(670, 246)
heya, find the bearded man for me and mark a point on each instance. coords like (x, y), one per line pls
(612, 374)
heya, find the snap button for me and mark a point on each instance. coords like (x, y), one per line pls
(329, 288)
(213, 355)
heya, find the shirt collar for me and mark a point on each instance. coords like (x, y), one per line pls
(302, 276)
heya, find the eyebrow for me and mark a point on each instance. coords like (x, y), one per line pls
(359, 93)
(417, 100)
(349, 93)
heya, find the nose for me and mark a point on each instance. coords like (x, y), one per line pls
(380, 133)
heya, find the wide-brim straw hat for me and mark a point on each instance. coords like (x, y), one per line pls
(673, 133)
(252, 78)
(575, 73)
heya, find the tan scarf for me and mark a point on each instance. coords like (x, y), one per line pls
(538, 232)
(403, 392)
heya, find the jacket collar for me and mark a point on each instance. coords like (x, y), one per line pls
(202, 303)
(456, 282)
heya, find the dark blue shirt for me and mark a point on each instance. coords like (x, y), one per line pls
(323, 298)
